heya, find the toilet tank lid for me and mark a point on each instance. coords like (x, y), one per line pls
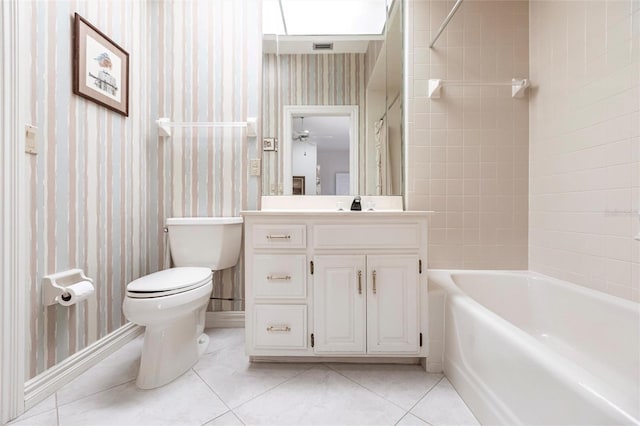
(203, 220)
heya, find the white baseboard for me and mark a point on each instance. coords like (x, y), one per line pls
(337, 359)
(48, 382)
(225, 319)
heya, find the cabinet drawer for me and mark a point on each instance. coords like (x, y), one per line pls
(279, 276)
(279, 236)
(280, 326)
(367, 236)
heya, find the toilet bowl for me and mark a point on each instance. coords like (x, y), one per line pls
(171, 304)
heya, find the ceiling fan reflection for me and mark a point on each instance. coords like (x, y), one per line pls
(305, 135)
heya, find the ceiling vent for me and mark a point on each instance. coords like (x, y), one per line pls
(322, 46)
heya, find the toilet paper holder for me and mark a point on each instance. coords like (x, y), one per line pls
(54, 285)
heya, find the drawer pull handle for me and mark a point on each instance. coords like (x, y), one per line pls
(359, 282)
(273, 328)
(374, 282)
(279, 277)
(279, 237)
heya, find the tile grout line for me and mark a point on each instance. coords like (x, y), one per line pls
(257, 396)
(428, 391)
(236, 416)
(411, 414)
(363, 387)
(381, 396)
(272, 388)
(424, 396)
(305, 369)
(460, 397)
(222, 415)
(249, 400)
(55, 398)
(91, 394)
(230, 410)
(217, 396)
(465, 404)
(405, 415)
(136, 360)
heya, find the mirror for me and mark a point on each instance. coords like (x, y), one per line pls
(332, 101)
(323, 149)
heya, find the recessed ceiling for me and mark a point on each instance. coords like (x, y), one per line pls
(323, 17)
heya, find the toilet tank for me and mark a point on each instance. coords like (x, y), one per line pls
(212, 242)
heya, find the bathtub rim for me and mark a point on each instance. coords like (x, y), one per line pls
(447, 274)
(556, 362)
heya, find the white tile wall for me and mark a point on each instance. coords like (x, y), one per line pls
(585, 143)
(468, 150)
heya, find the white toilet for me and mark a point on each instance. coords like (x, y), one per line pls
(171, 304)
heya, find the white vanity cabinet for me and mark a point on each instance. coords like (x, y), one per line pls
(339, 304)
(366, 304)
(336, 284)
(276, 286)
(392, 304)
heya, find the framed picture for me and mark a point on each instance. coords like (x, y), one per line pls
(100, 68)
(298, 185)
(269, 144)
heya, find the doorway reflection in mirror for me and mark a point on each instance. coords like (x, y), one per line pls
(358, 69)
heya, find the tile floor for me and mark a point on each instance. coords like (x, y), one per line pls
(223, 388)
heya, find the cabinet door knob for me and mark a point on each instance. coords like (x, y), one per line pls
(374, 282)
(359, 282)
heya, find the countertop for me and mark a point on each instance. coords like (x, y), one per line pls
(337, 213)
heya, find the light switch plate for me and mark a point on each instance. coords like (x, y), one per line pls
(254, 167)
(30, 145)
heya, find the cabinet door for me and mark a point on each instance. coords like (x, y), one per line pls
(392, 304)
(339, 304)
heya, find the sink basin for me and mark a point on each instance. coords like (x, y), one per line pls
(329, 203)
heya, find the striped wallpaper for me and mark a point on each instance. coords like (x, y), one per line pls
(102, 185)
(210, 55)
(319, 79)
(88, 184)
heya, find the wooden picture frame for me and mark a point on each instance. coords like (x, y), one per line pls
(100, 68)
(297, 186)
(269, 144)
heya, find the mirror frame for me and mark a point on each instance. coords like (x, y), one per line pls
(289, 111)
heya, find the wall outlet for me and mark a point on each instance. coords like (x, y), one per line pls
(254, 167)
(30, 145)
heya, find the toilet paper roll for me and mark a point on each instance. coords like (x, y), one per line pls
(76, 293)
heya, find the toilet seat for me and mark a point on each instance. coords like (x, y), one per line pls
(168, 282)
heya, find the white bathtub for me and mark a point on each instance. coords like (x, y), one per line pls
(523, 348)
